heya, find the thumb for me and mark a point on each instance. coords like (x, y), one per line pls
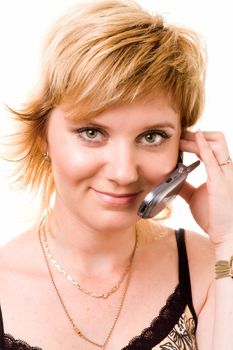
(187, 191)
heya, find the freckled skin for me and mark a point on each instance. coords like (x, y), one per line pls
(122, 158)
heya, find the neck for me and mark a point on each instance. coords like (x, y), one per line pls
(92, 252)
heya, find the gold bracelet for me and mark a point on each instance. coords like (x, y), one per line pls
(224, 268)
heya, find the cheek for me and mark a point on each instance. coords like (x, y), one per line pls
(72, 166)
(160, 166)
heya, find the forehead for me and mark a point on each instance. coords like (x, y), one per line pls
(157, 107)
(141, 113)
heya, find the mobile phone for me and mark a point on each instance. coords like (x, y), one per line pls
(157, 200)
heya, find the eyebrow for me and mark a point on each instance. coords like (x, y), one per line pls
(165, 124)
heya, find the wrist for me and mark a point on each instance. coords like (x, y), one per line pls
(224, 251)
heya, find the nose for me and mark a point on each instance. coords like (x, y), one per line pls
(121, 166)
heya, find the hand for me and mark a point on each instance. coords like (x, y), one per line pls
(211, 203)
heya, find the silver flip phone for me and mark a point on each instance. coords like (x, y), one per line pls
(165, 192)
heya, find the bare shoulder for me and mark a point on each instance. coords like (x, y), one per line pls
(200, 253)
(201, 259)
(17, 254)
(199, 247)
(200, 250)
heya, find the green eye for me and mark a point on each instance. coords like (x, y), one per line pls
(91, 133)
(152, 137)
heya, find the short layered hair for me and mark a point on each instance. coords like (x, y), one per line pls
(100, 54)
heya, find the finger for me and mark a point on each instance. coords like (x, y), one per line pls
(217, 143)
(208, 157)
(209, 136)
(189, 146)
(227, 169)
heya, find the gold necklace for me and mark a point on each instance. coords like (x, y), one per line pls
(70, 319)
(104, 295)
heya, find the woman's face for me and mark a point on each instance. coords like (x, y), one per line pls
(104, 167)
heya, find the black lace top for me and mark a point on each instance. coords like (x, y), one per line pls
(173, 329)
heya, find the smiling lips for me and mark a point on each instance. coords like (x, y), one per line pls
(116, 199)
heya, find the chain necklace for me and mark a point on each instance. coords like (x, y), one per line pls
(104, 295)
(70, 319)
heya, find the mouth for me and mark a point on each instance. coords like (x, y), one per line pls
(117, 199)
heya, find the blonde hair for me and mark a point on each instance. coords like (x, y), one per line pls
(100, 54)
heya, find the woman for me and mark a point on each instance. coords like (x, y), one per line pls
(119, 92)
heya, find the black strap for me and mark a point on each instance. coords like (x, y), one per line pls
(2, 347)
(184, 275)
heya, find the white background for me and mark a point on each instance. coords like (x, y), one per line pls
(22, 26)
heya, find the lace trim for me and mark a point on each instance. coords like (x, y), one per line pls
(159, 329)
(15, 344)
(162, 325)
